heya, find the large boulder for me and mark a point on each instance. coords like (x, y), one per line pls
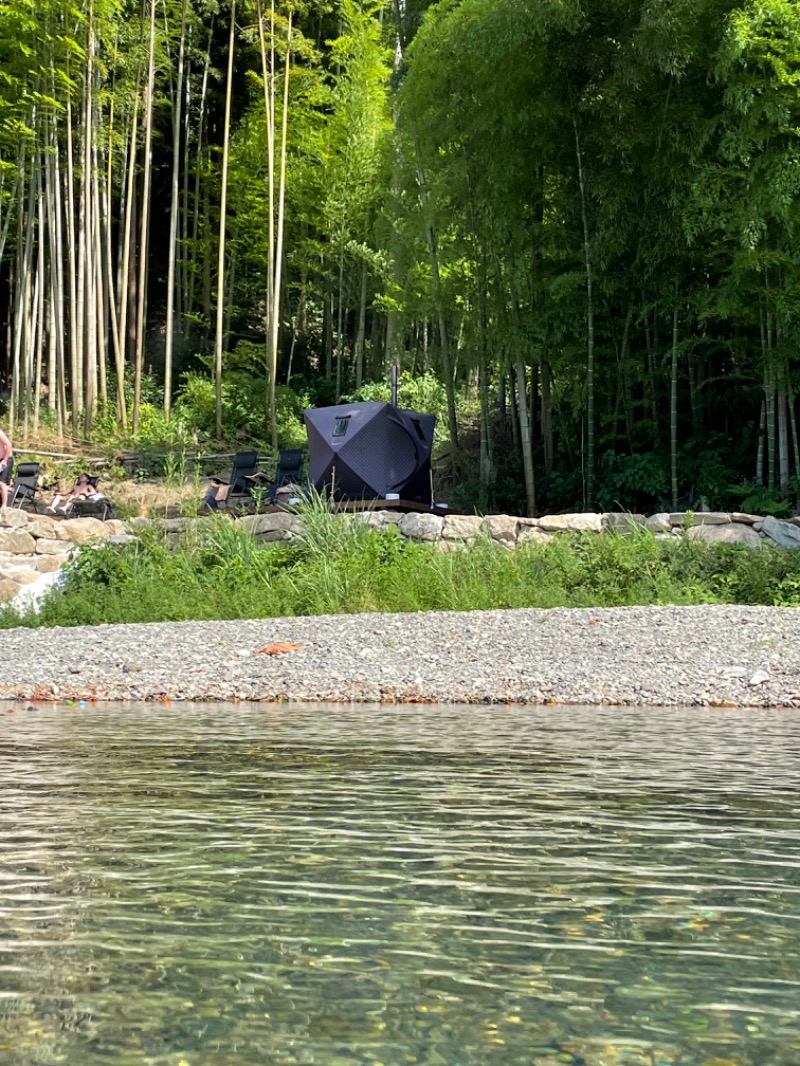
(23, 572)
(42, 525)
(502, 528)
(276, 525)
(17, 541)
(8, 589)
(732, 533)
(463, 527)
(710, 518)
(621, 521)
(659, 523)
(571, 523)
(532, 535)
(12, 518)
(421, 526)
(46, 546)
(48, 564)
(85, 530)
(785, 534)
(380, 520)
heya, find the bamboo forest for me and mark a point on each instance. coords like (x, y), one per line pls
(570, 224)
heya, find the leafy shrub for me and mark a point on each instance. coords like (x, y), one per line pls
(758, 499)
(244, 411)
(631, 482)
(422, 393)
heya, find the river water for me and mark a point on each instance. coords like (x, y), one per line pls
(219, 885)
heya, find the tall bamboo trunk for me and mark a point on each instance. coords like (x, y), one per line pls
(173, 217)
(673, 411)
(22, 303)
(222, 220)
(89, 229)
(128, 209)
(522, 408)
(444, 340)
(145, 222)
(361, 332)
(769, 395)
(72, 248)
(278, 259)
(198, 209)
(783, 441)
(546, 420)
(587, 252)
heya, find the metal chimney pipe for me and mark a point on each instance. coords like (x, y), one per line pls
(394, 384)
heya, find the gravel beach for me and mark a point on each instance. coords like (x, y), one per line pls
(660, 656)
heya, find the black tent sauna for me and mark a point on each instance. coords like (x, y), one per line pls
(368, 451)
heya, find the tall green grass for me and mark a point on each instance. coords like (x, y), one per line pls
(218, 570)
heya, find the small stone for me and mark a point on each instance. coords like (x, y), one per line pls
(132, 667)
(760, 677)
(735, 671)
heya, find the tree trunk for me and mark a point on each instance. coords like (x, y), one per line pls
(361, 332)
(278, 259)
(145, 222)
(673, 411)
(173, 217)
(587, 251)
(447, 369)
(222, 219)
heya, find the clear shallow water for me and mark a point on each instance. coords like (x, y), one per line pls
(447, 886)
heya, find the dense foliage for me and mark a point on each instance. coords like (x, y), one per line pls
(574, 220)
(218, 571)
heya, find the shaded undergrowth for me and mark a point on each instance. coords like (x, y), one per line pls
(217, 570)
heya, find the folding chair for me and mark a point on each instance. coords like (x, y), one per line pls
(25, 484)
(288, 470)
(245, 465)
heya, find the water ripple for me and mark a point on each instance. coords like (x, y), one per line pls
(209, 885)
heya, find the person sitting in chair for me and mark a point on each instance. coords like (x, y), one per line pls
(220, 490)
(83, 489)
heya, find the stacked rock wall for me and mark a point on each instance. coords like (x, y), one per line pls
(451, 531)
(32, 545)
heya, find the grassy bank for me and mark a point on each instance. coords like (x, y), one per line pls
(217, 571)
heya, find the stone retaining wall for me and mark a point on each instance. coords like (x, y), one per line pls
(508, 531)
(33, 545)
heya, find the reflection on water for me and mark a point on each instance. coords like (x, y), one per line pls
(444, 886)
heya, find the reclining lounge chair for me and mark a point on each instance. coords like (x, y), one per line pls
(288, 471)
(239, 484)
(97, 505)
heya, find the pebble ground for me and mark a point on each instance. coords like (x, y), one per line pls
(661, 656)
